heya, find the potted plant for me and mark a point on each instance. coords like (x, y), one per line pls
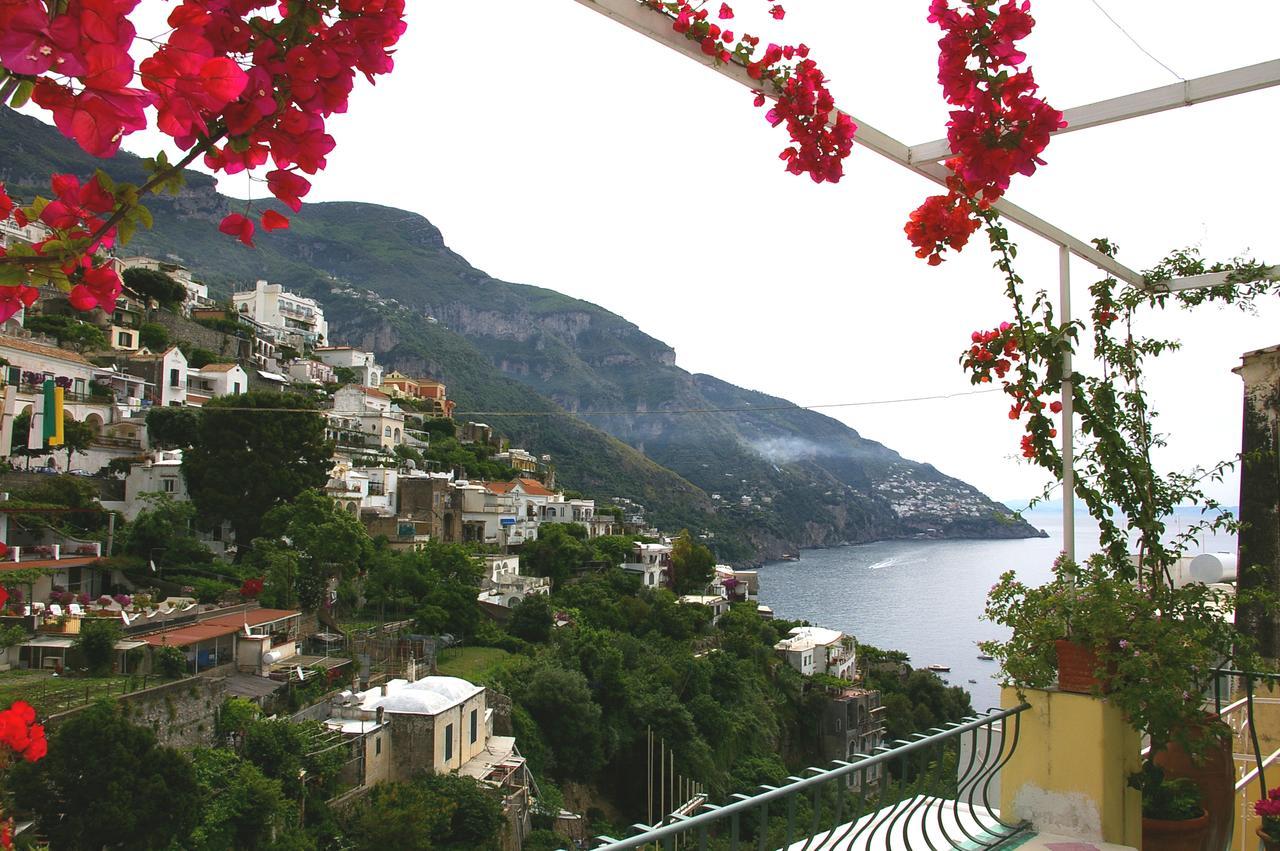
(1173, 818)
(1269, 810)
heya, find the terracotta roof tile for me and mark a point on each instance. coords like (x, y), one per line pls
(533, 487)
(43, 351)
(218, 367)
(253, 617)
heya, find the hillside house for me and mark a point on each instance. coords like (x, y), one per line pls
(398, 385)
(30, 364)
(165, 373)
(307, 371)
(380, 422)
(366, 368)
(299, 320)
(815, 650)
(504, 585)
(217, 379)
(652, 562)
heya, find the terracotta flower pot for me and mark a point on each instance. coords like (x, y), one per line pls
(1269, 842)
(1181, 835)
(1076, 666)
(1213, 773)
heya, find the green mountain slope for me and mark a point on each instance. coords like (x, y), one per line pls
(782, 479)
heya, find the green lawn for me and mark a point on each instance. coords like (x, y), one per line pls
(470, 663)
(50, 694)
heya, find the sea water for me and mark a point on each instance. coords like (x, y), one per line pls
(926, 597)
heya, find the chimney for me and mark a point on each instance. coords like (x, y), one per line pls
(379, 716)
(384, 689)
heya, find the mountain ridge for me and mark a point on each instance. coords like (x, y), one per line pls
(760, 483)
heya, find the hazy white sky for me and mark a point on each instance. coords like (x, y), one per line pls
(554, 147)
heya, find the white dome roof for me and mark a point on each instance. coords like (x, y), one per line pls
(427, 696)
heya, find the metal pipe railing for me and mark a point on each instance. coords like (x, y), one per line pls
(932, 792)
(1249, 677)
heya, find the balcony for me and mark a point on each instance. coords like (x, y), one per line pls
(842, 808)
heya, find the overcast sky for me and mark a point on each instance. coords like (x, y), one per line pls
(554, 147)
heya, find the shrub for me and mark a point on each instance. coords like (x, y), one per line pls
(171, 662)
(97, 642)
(154, 336)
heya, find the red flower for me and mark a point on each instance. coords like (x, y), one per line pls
(271, 220)
(6, 204)
(778, 13)
(15, 298)
(725, 12)
(238, 226)
(288, 187)
(1056, 407)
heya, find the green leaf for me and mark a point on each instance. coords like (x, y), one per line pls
(22, 94)
(144, 217)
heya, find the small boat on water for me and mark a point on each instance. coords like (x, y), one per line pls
(986, 658)
(941, 669)
(973, 681)
(789, 557)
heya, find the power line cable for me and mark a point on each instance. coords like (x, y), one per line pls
(750, 409)
(1136, 43)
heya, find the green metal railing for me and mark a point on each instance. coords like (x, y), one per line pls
(1250, 679)
(932, 792)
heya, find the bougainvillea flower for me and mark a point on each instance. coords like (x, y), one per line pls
(778, 13)
(271, 220)
(6, 204)
(238, 226)
(288, 187)
(726, 13)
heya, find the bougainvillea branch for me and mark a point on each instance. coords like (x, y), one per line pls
(821, 135)
(1114, 470)
(999, 127)
(238, 82)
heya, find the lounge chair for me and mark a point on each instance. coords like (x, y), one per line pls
(76, 610)
(55, 610)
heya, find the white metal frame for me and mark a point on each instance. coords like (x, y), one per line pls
(926, 160)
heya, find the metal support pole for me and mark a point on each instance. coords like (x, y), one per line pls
(1068, 412)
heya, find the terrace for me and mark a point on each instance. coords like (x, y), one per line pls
(1049, 769)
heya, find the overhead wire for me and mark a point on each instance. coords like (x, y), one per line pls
(1136, 43)
(749, 409)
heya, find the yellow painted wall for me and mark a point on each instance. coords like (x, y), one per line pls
(1069, 772)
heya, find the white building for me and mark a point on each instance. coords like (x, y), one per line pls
(300, 319)
(652, 562)
(161, 473)
(216, 379)
(815, 650)
(380, 422)
(366, 367)
(307, 371)
(505, 586)
(30, 365)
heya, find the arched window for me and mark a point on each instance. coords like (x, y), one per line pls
(397, 434)
(387, 431)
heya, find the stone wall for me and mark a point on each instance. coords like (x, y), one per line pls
(413, 745)
(224, 345)
(182, 713)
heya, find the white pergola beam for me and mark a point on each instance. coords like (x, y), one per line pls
(1174, 96)
(657, 26)
(1208, 280)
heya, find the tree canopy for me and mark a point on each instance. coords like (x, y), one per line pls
(328, 542)
(253, 452)
(150, 283)
(106, 784)
(173, 427)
